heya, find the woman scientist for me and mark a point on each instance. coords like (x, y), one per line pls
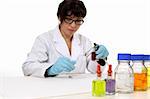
(62, 50)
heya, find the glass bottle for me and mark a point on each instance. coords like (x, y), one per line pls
(147, 65)
(98, 85)
(140, 72)
(110, 82)
(124, 74)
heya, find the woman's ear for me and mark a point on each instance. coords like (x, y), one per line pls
(59, 18)
(60, 21)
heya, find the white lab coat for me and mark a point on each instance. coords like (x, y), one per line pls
(49, 46)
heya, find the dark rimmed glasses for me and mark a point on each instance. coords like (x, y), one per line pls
(77, 22)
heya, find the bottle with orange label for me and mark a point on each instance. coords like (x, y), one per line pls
(140, 72)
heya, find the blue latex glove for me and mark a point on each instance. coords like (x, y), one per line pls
(101, 52)
(62, 64)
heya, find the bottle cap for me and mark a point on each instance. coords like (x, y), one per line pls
(109, 70)
(146, 57)
(124, 56)
(102, 61)
(137, 57)
(98, 70)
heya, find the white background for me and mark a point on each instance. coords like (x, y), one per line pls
(123, 26)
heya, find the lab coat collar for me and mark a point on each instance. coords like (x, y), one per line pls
(58, 37)
(61, 46)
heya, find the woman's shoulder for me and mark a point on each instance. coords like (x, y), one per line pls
(43, 35)
(48, 33)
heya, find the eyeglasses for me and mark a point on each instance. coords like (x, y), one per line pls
(70, 21)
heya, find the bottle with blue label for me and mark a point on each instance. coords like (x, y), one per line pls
(124, 75)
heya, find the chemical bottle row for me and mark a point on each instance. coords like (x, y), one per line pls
(131, 74)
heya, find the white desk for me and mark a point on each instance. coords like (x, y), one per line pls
(32, 87)
(78, 87)
(135, 95)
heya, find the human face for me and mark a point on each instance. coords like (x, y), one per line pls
(70, 25)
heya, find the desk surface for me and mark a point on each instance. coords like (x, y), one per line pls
(61, 87)
(32, 87)
(135, 95)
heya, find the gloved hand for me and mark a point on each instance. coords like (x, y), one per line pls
(101, 52)
(62, 64)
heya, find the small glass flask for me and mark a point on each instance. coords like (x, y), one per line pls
(98, 85)
(110, 82)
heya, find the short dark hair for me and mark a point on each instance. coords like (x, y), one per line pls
(71, 7)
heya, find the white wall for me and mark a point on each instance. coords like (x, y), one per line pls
(121, 25)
